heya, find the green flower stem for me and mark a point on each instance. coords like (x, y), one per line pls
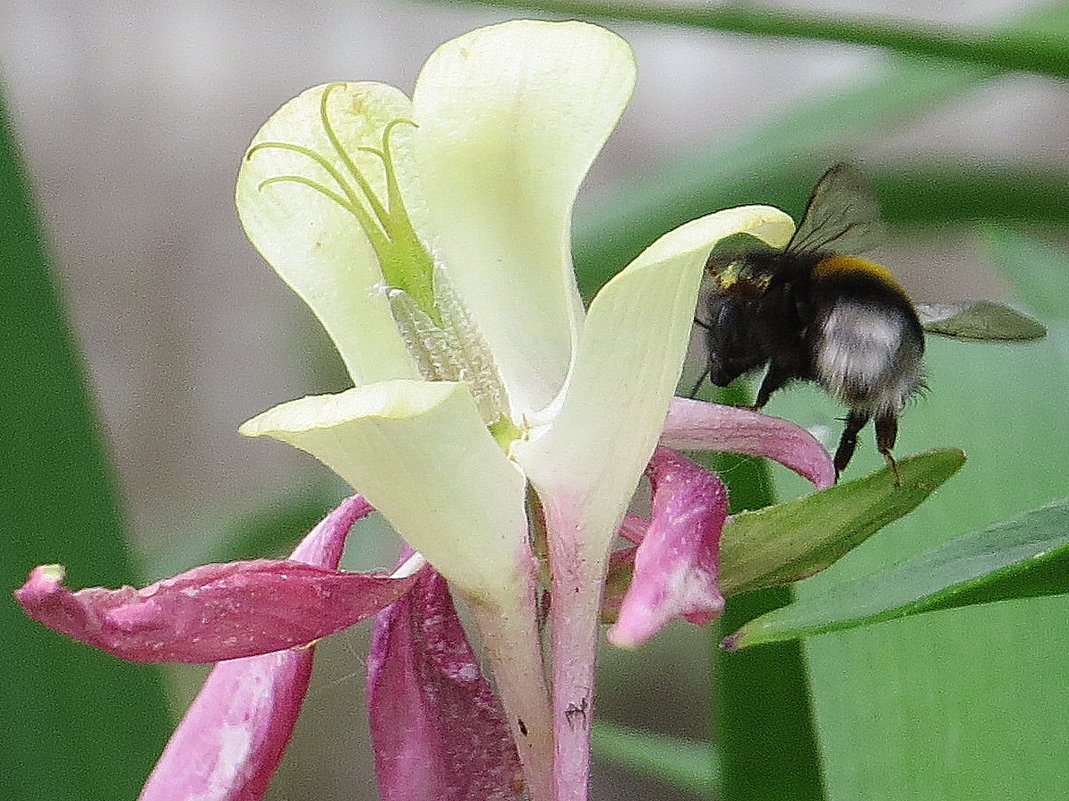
(1027, 50)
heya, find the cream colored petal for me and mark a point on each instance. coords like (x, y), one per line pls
(511, 117)
(420, 454)
(314, 244)
(629, 360)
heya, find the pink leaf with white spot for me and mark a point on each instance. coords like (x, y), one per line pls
(677, 563)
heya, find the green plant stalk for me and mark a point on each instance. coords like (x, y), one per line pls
(1035, 51)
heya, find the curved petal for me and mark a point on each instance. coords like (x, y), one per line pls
(439, 730)
(419, 452)
(510, 119)
(316, 246)
(230, 740)
(629, 360)
(676, 565)
(694, 425)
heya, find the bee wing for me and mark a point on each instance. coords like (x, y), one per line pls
(842, 215)
(978, 320)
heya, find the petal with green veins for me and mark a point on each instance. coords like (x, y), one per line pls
(292, 189)
(510, 118)
(421, 455)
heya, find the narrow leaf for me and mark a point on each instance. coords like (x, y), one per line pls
(77, 724)
(1028, 50)
(687, 765)
(982, 320)
(1022, 558)
(796, 539)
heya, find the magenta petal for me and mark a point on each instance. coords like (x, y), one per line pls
(438, 728)
(676, 565)
(235, 731)
(698, 426)
(231, 739)
(218, 612)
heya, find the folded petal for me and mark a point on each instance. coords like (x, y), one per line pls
(228, 744)
(694, 425)
(676, 564)
(315, 245)
(629, 360)
(438, 729)
(510, 118)
(422, 456)
(210, 613)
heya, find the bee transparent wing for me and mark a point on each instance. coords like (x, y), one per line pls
(982, 320)
(842, 215)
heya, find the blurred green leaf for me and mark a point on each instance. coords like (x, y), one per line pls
(796, 539)
(959, 701)
(1037, 50)
(1023, 558)
(684, 764)
(1039, 271)
(982, 320)
(78, 724)
(779, 162)
(762, 716)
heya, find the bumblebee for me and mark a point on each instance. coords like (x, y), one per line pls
(813, 312)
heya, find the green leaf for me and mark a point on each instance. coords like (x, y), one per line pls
(955, 701)
(1039, 271)
(793, 540)
(687, 765)
(78, 724)
(1022, 558)
(1027, 50)
(982, 320)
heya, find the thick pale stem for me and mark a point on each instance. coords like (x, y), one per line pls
(511, 638)
(576, 592)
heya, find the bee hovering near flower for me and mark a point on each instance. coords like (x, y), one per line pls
(812, 312)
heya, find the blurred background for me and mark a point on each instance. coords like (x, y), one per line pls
(131, 119)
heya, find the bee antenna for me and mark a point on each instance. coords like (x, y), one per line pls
(702, 324)
(698, 383)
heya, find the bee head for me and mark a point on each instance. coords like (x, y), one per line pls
(736, 275)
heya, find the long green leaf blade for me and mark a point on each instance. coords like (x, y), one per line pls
(684, 764)
(77, 724)
(1033, 50)
(1024, 558)
(794, 540)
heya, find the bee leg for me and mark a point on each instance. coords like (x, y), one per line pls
(886, 433)
(698, 383)
(855, 421)
(775, 378)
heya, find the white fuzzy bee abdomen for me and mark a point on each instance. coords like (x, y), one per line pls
(868, 356)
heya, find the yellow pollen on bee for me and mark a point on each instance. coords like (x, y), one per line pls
(840, 265)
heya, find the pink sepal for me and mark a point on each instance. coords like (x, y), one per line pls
(218, 612)
(699, 426)
(230, 741)
(438, 728)
(676, 564)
